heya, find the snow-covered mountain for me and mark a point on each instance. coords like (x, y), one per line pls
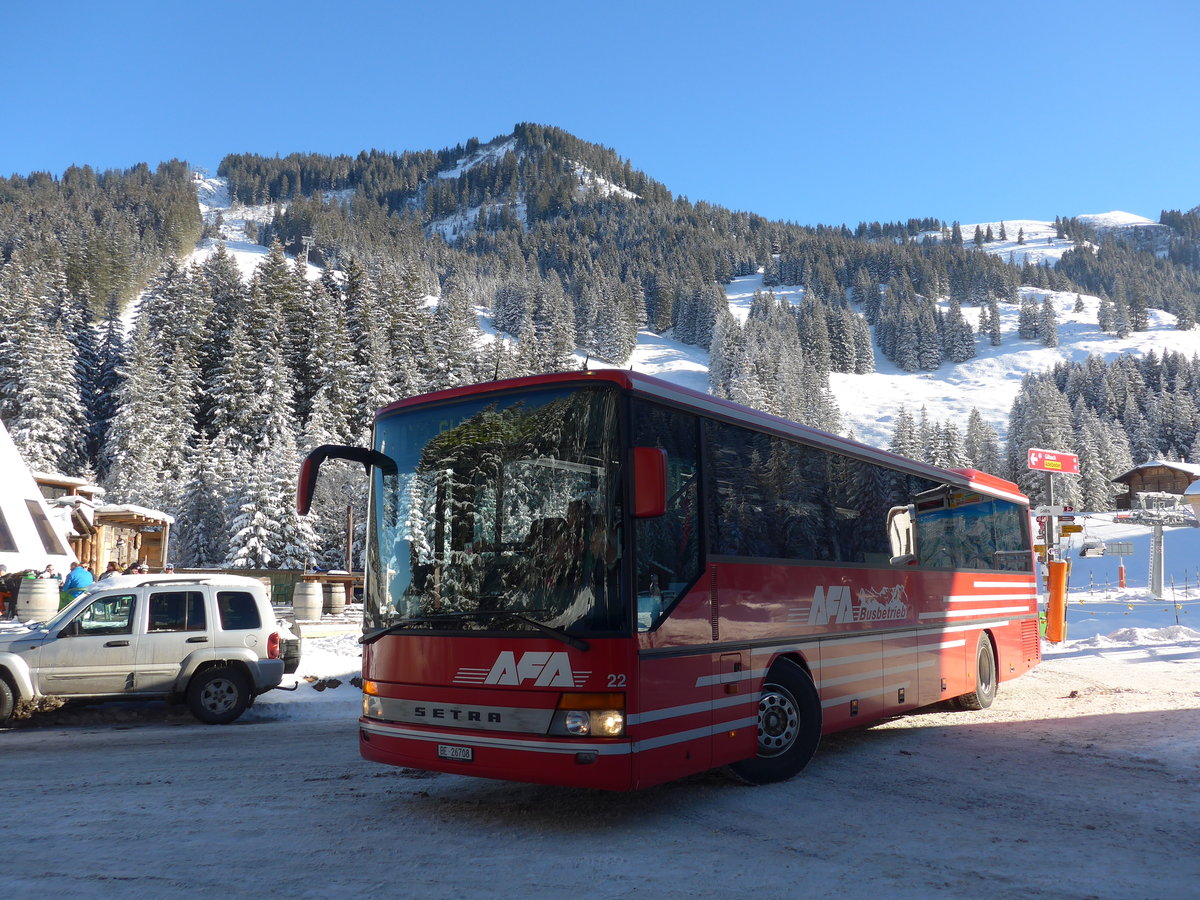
(1036, 242)
(868, 403)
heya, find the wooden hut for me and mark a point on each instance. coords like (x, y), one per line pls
(1156, 476)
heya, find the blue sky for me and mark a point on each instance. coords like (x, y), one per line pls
(802, 111)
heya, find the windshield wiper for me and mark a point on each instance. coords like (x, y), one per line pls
(375, 635)
(556, 633)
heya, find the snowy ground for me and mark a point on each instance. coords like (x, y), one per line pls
(1081, 781)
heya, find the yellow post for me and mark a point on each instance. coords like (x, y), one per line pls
(1056, 609)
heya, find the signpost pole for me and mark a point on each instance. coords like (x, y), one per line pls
(1051, 530)
(1057, 569)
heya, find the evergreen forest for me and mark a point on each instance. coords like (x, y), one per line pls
(189, 388)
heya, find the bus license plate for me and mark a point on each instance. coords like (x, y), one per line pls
(462, 754)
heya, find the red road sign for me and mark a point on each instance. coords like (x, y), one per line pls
(1053, 461)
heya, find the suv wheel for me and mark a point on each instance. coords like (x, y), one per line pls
(7, 700)
(218, 696)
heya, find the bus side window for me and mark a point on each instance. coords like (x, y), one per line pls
(902, 533)
(668, 546)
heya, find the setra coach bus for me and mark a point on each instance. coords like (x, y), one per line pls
(601, 579)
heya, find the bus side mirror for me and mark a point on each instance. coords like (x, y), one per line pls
(649, 482)
(902, 533)
(307, 481)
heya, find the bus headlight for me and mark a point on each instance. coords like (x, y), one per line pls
(608, 723)
(576, 721)
(372, 707)
(589, 722)
(590, 715)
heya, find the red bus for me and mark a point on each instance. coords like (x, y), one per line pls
(602, 579)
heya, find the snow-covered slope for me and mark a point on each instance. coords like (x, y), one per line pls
(1040, 244)
(216, 205)
(989, 382)
(869, 403)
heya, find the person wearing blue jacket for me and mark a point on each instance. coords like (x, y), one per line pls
(77, 580)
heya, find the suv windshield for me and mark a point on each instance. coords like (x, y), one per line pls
(503, 514)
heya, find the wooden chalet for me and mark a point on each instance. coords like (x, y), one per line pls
(99, 532)
(1156, 476)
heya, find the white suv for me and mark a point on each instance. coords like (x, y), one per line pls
(212, 641)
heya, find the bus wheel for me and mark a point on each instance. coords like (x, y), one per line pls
(985, 677)
(789, 726)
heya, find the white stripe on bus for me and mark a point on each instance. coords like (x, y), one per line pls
(560, 747)
(958, 613)
(474, 740)
(894, 670)
(688, 709)
(879, 692)
(989, 598)
(695, 734)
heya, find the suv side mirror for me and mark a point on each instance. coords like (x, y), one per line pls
(649, 482)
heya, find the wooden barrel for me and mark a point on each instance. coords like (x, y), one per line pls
(307, 599)
(37, 599)
(335, 599)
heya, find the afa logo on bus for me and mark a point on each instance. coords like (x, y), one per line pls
(835, 604)
(542, 668)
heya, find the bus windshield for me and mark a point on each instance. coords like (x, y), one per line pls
(503, 516)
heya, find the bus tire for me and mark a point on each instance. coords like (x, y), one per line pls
(789, 726)
(986, 681)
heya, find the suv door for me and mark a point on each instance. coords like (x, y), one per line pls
(94, 652)
(176, 625)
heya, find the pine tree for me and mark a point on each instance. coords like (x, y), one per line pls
(135, 444)
(200, 534)
(864, 349)
(959, 340)
(1104, 318)
(1028, 319)
(1139, 316)
(264, 529)
(330, 372)
(1185, 314)
(49, 426)
(929, 352)
(1047, 325)
(906, 440)
(110, 353)
(982, 446)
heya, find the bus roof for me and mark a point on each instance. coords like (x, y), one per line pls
(658, 389)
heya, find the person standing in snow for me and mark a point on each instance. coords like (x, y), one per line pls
(6, 593)
(77, 580)
(113, 569)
